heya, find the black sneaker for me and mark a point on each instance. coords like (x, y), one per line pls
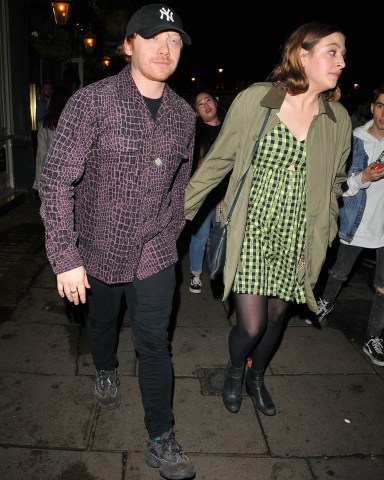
(195, 285)
(374, 349)
(166, 454)
(324, 308)
(107, 389)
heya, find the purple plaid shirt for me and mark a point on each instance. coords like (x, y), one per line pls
(112, 188)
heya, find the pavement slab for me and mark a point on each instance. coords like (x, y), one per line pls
(350, 468)
(307, 350)
(39, 464)
(51, 411)
(325, 415)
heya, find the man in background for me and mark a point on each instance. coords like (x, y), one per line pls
(362, 224)
(43, 101)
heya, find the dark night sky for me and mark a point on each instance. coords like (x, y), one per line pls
(245, 40)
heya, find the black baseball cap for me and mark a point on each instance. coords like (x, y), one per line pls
(155, 18)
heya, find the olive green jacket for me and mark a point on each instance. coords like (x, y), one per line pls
(328, 145)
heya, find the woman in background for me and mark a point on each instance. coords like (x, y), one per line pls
(47, 127)
(210, 116)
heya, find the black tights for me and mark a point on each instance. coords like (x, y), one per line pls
(258, 330)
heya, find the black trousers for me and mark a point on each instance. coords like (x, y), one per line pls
(149, 303)
(339, 273)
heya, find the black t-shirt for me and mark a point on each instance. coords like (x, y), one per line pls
(210, 134)
(153, 104)
(205, 138)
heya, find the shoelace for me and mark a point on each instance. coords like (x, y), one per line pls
(377, 345)
(107, 380)
(322, 304)
(196, 281)
(170, 445)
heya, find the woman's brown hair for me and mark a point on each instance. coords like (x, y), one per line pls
(290, 72)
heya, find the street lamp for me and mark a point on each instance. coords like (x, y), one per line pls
(220, 82)
(89, 40)
(195, 82)
(106, 62)
(61, 11)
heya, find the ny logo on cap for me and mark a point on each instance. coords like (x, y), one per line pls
(167, 13)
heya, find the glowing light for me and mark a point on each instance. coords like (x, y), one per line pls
(61, 12)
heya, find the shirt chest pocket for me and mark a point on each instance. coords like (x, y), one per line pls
(179, 154)
(122, 144)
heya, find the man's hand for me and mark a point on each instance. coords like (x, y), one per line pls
(370, 174)
(73, 284)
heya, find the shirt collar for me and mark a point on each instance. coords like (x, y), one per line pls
(275, 97)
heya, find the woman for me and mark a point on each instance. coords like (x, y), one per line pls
(286, 214)
(47, 128)
(210, 116)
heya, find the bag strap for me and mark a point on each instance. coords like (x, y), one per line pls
(245, 174)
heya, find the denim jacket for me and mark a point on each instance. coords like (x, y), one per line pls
(352, 208)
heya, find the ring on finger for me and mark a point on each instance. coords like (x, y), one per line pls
(73, 292)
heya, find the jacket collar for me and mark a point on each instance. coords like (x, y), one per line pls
(275, 97)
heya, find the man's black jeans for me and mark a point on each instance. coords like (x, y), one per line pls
(149, 303)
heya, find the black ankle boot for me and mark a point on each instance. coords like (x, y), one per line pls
(254, 381)
(232, 388)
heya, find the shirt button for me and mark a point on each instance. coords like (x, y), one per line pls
(158, 162)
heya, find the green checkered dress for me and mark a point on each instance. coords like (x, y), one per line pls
(275, 229)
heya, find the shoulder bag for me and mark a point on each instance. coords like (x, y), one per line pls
(215, 250)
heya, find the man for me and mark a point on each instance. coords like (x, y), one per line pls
(112, 195)
(43, 101)
(362, 224)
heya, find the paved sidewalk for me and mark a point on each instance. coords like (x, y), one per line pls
(329, 396)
